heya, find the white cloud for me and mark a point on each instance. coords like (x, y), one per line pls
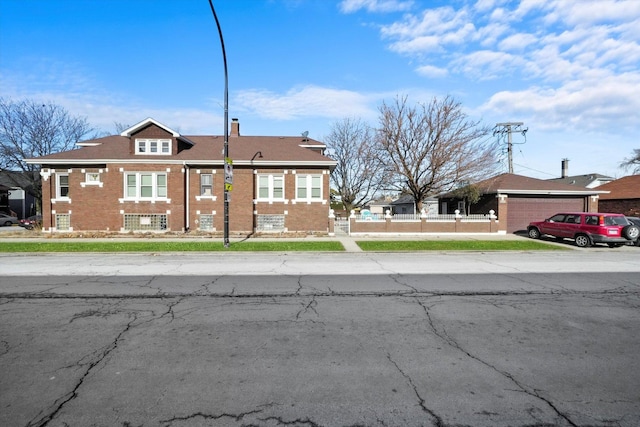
(581, 58)
(609, 103)
(306, 101)
(351, 6)
(519, 41)
(487, 64)
(431, 71)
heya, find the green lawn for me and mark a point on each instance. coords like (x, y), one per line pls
(173, 246)
(273, 246)
(455, 245)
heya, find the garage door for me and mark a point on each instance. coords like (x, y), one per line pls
(523, 210)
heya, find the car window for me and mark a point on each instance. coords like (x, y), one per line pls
(572, 219)
(615, 220)
(557, 218)
(591, 219)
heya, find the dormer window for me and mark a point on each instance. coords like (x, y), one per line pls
(158, 147)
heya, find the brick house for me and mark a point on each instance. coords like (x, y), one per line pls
(623, 196)
(151, 178)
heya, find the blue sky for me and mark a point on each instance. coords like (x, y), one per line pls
(568, 69)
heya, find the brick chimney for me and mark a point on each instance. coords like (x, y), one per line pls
(235, 127)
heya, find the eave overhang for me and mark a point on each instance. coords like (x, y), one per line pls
(553, 192)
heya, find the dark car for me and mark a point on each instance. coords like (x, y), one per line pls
(31, 222)
(635, 221)
(7, 219)
(587, 228)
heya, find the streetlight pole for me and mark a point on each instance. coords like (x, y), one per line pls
(226, 128)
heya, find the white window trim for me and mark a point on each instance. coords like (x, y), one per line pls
(146, 143)
(86, 182)
(137, 198)
(204, 197)
(270, 198)
(57, 197)
(309, 186)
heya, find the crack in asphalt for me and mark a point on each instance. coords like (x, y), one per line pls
(421, 401)
(92, 360)
(311, 306)
(45, 419)
(444, 336)
(4, 347)
(279, 420)
(205, 416)
(317, 293)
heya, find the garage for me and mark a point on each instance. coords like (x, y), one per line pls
(524, 209)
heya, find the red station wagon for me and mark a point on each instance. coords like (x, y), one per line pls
(587, 228)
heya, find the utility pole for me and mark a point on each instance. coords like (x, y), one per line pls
(509, 128)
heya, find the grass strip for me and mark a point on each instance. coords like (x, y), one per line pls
(455, 245)
(155, 246)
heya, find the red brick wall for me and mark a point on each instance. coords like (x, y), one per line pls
(629, 207)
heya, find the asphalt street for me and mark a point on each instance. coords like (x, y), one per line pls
(351, 339)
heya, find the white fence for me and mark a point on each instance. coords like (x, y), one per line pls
(418, 217)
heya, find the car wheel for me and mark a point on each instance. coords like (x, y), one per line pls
(631, 232)
(534, 233)
(7, 224)
(583, 241)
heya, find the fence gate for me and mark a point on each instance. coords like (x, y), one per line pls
(341, 225)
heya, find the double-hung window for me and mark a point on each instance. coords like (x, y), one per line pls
(62, 186)
(309, 187)
(270, 187)
(145, 186)
(153, 146)
(206, 184)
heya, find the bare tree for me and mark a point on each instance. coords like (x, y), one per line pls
(429, 148)
(358, 175)
(120, 127)
(31, 129)
(632, 162)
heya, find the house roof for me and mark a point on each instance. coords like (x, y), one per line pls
(14, 179)
(201, 150)
(627, 187)
(517, 184)
(146, 122)
(582, 180)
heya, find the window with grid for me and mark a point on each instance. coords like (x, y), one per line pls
(153, 146)
(270, 223)
(62, 186)
(206, 184)
(145, 222)
(145, 186)
(309, 187)
(63, 222)
(270, 187)
(206, 222)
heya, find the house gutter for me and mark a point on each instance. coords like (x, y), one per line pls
(186, 195)
(553, 192)
(330, 163)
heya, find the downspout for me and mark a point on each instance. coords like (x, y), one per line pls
(186, 202)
